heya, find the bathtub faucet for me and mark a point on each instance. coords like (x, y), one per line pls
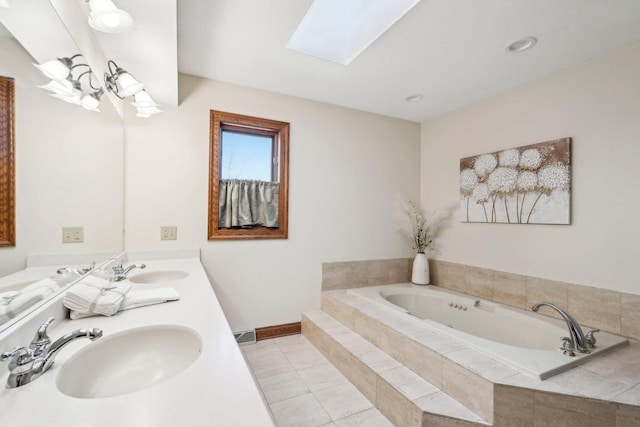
(577, 341)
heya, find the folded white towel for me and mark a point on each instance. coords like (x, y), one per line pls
(94, 295)
(14, 302)
(139, 298)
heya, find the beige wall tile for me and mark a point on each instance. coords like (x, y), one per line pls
(478, 282)
(469, 389)
(453, 276)
(352, 274)
(343, 313)
(598, 308)
(316, 336)
(630, 315)
(341, 358)
(392, 343)
(436, 272)
(510, 289)
(543, 290)
(387, 271)
(392, 404)
(369, 329)
(571, 411)
(513, 406)
(423, 361)
(627, 416)
(364, 379)
(343, 275)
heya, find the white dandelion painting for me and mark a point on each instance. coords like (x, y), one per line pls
(524, 185)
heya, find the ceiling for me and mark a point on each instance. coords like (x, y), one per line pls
(450, 51)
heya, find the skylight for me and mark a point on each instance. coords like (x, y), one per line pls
(339, 30)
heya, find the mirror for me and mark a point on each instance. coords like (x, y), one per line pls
(68, 169)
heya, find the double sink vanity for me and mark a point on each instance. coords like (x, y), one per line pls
(175, 363)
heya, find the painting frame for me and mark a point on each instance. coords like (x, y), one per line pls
(530, 184)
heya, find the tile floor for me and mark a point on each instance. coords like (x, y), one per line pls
(304, 389)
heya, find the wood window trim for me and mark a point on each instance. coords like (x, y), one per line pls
(256, 125)
(7, 162)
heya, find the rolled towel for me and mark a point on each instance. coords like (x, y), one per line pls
(14, 302)
(139, 298)
(94, 295)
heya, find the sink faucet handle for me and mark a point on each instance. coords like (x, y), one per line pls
(591, 339)
(568, 346)
(41, 339)
(16, 354)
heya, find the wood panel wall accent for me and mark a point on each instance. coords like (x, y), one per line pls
(7, 162)
(276, 331)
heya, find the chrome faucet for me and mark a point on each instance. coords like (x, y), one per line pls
(577, 339)
(27, 364)
(76, 271)
(120, 273)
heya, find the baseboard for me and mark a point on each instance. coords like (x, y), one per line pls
(276, 331)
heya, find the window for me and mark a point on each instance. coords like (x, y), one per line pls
(248, 177)
(7, 163)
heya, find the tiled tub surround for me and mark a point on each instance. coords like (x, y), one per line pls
(611, 311)
(403, 368)
(523, 340)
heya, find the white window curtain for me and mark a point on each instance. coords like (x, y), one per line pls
(245, 203)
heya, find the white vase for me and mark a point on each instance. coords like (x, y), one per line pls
(420, 273)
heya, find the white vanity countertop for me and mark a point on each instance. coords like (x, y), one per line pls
(216, 390)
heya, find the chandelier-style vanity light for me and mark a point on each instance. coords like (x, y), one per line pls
(68, 88)
(106, 17)
(122, 84)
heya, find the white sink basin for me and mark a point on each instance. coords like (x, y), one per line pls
(164, 276)
(129, 361)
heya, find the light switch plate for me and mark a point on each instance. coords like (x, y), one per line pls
(72, 234)
(169, 232)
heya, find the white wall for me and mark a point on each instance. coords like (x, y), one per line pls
(347, 168)
(68, 169)
(597, 104)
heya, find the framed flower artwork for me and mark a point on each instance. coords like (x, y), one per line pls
(525, 185)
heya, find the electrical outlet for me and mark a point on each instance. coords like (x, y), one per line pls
(72, 234)
(169, 232)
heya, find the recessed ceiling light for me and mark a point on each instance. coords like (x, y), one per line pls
(339, 31)
(414, 98)
(521, 44)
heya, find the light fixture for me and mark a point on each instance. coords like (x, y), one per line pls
(339, 30)
(521, 45)
(106, 17)
(57, 69)
(66, 87)
(414, 98)
(4, 3)
(128, 84)
(122, 84)
(145, 105)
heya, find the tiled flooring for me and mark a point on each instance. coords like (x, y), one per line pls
(304, 389)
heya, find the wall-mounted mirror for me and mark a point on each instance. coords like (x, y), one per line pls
(68, 163)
